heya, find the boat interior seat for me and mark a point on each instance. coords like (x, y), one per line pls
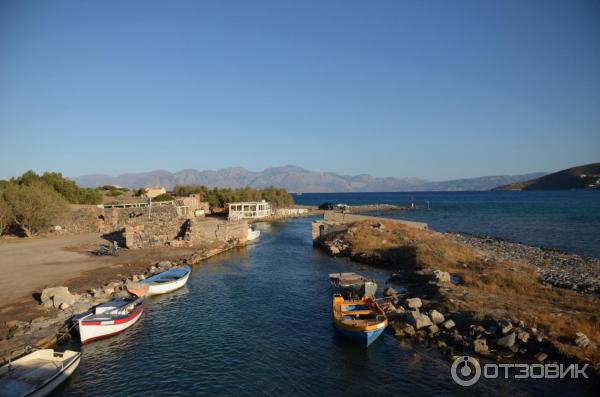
(356, 312)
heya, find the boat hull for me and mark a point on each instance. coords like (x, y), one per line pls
(253, 235)
(364, 338)
(90, 331)
(58, 380)
(158, 289)
(25, 379)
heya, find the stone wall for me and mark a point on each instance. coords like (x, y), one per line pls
(334, 222)
(206, 230)
(335, 216)
(159, 228)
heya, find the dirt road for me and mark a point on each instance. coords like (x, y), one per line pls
(29, 265)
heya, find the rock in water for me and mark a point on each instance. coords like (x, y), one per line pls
(390, 292)
(436, 317)
(418, 320)
(507, 341)
(541, 356)
(414, 303)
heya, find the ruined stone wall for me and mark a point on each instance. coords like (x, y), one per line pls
(206, 230)
(143, 230)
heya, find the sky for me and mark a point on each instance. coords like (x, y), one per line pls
(431, 89)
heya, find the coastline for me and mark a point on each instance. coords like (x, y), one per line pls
(481, 289)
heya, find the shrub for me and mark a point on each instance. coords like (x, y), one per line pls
(5, 213)
(33, 206)
(163, 197)
(114, 193)
(217, 197)
(65, 187)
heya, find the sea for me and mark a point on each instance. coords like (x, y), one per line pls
(566, 220)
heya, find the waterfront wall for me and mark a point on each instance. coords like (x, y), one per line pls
(334, 222)
(345, 218)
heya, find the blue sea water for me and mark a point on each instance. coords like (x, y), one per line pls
(256, 321)
(565, 220)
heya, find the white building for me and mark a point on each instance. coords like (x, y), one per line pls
(250, 210)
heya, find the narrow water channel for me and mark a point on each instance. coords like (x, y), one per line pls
(256, 321)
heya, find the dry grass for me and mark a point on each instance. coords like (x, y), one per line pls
(490, 288)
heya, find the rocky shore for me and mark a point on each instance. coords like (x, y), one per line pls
(470, 295)
(60, 303)
(556, 268)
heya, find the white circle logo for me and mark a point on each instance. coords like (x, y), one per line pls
(465, 371)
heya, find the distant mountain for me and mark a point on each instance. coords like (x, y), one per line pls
(295, 179)
(581, 177)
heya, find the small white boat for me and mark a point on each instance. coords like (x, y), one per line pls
(253, 234)
(37, 374)
(108, 319)
(161, 283)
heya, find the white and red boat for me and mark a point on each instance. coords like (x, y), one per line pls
(109, 319)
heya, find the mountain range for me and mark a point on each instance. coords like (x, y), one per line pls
(296, 179)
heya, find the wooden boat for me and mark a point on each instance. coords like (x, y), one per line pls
(109, 319)
(362, 320)
(253, 234)
(161, 283)
(37, 374)
(352, 285)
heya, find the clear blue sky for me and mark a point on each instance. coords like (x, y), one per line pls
(434, 89)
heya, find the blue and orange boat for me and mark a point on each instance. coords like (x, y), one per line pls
(362, 320)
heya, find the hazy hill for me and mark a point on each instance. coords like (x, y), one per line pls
(581, 177)
(295, 179)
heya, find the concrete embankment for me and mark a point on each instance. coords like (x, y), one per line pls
(468, 300)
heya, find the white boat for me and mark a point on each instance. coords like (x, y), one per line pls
(161, 283)
(109, 319)
(253, 234)
(37, 374)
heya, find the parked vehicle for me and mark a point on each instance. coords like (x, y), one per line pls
(161, 283)
(326, 206)
(361, 320)
(108, 319)
(38, 373)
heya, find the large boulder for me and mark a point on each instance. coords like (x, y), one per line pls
(418, 320)
(414, 303)
(57, 297)
(436, 317)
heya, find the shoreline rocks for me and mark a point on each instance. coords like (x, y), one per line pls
(559, 269)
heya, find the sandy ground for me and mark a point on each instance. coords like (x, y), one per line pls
(29, 265)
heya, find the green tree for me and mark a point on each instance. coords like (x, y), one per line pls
(34, 206)
(6, 216)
